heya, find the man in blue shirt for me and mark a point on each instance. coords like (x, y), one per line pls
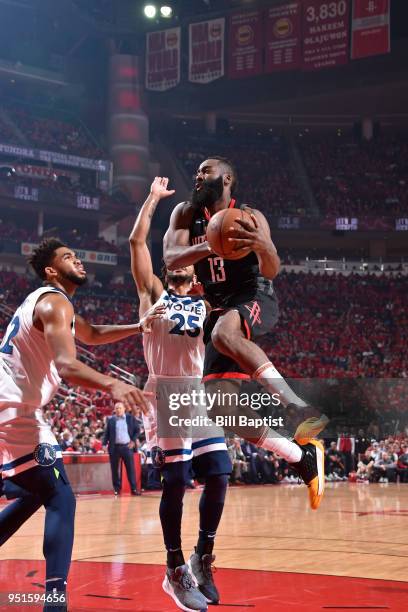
(120, 436)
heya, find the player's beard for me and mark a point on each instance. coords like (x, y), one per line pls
(208, 194)
(73, 278)
(178, 279)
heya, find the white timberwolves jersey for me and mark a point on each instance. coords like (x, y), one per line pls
(27, 372)
(175, 345)
(28, 380)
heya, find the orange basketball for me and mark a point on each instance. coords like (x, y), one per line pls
(218, 232)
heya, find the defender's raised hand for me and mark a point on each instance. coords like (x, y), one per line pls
(159, 187)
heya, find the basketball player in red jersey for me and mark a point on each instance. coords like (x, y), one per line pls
(244, 306)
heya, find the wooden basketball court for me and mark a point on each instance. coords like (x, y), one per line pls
(273, 552)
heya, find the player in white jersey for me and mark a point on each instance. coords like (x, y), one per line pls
(38, 349)
(174, 353)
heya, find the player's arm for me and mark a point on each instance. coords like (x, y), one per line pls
(149, 286)
(54, 314)
(177, 252)
(104, 334)
(258, 238)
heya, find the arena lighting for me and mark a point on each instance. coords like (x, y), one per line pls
(166, 11)
(150, 11)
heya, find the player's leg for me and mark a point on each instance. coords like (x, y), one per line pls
(16, 514)
(230, 337)
(172, 456)
(178, 581)
(48, 486)
(213, 468)
(58, 534)
(306, 459)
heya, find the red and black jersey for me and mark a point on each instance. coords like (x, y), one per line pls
(224, 280)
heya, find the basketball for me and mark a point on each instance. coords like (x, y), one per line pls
(218, 232)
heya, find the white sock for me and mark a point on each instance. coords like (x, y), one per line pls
(268, 376)
(283, 447)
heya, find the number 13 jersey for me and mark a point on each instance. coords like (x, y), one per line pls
(175, 345)
(224, 279)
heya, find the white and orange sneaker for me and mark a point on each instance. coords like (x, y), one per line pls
(310, 429)
(311, 469)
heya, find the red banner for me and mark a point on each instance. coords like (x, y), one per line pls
(163, 59)
(325, 33)
(245, 45)
(206, 51)
(371, 28)
(283, 25)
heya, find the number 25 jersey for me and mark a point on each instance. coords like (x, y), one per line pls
(175, 345)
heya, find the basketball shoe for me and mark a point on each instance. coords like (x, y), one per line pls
(311, 469)
(312, 422)
(201, 568)
(180, 585)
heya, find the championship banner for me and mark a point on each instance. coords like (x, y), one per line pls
(370, 32)
(163, 59)
(206, 51)
(110, 259)
(245, 45)
(53, 157)
(325, 33)
(283, 27)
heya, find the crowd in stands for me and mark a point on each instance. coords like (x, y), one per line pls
(14, 232)
(368, 460)
(265, 177)
(48, 133)
(340, 326)
(331, 327)
(357, 178)
(348, 177)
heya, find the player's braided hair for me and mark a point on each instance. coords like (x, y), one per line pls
(43, 255)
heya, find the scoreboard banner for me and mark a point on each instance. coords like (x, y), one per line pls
(283, 37)
(370, 28)
(245, 45)
(206, 51)
(163, 59)
(325, 33)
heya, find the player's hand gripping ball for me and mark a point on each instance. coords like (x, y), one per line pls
(219, 232)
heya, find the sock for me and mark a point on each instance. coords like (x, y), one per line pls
(272, 441)
(268, 376)
(175, 558)
(56, 584)
(211, 507)
(205, 543)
